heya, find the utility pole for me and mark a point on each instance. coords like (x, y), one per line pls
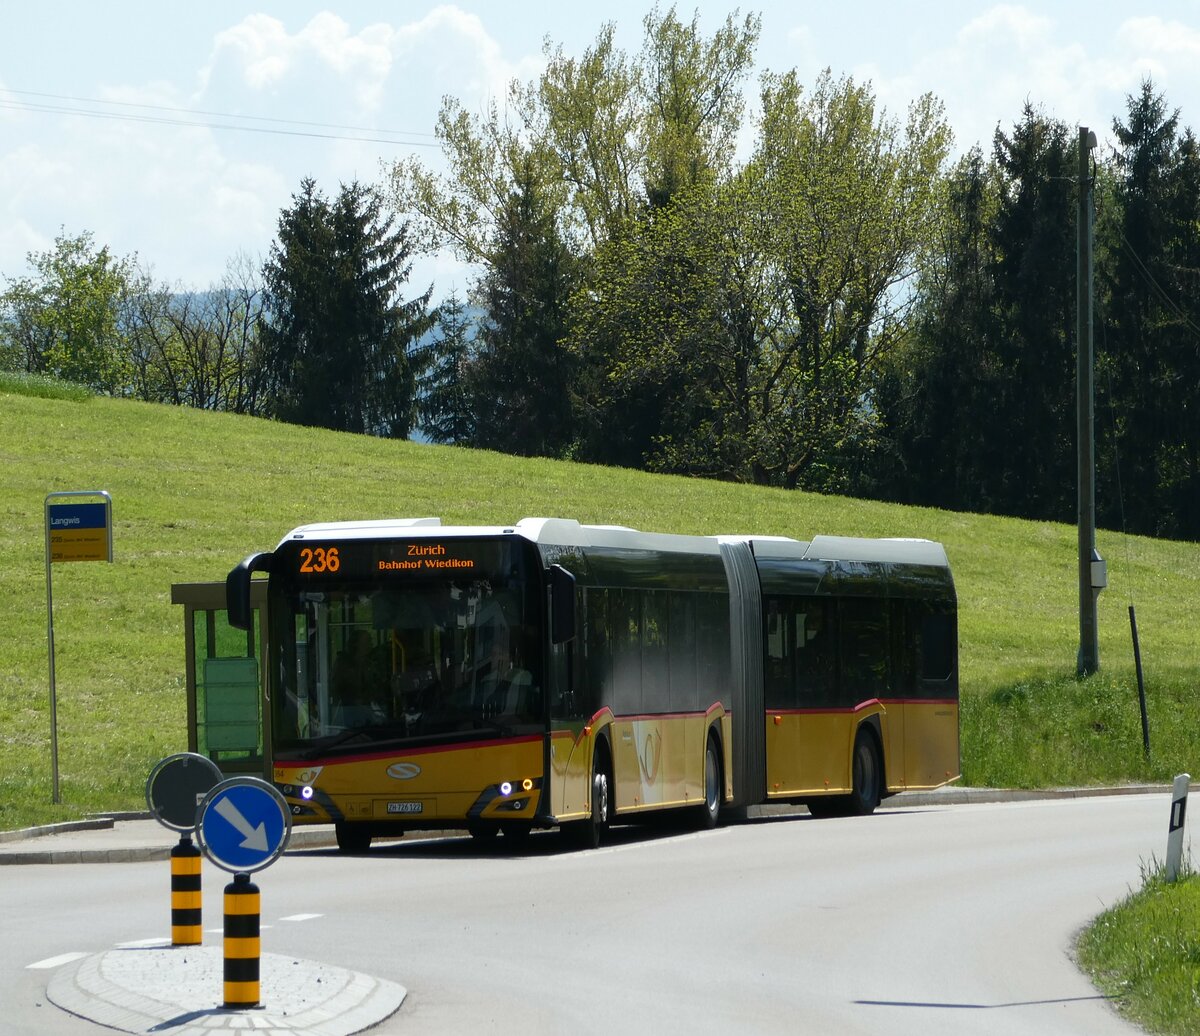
(1092, 576)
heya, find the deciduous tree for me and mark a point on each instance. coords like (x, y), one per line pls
(200, 348)
(65, 319)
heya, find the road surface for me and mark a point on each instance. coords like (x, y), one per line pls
(949, 919)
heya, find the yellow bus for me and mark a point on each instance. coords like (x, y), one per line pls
(554, 674)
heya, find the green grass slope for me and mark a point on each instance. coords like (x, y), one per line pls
(194, 492)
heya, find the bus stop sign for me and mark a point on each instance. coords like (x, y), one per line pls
(243, 824)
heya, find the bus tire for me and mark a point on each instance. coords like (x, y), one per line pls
(352, 838)
(867, 775)
(516, 835)
(592, 831)
(710, 812)
(827, 806)
(483, 833)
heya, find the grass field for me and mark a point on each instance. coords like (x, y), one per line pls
(1145, 954)
(194, 492)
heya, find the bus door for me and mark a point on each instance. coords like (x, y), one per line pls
(572, 700)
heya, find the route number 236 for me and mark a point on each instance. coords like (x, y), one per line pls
(318, 560)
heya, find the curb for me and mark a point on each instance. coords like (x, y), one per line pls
(312, 838)
(66, 827)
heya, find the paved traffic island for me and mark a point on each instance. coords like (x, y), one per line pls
(178, 990)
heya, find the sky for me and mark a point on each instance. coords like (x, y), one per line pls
(177, 133)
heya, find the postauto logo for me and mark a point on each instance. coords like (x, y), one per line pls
(403, 771)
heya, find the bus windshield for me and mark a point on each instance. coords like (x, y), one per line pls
(426, 661)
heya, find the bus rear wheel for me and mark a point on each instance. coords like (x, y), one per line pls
(867, 787)
(868, 777)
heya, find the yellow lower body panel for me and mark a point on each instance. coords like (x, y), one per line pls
(479, 780)
(810, 752)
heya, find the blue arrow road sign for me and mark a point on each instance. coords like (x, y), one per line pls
(243, 824)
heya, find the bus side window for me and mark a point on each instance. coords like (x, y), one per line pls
(815, 651)
(712, 643)
(780, 689)
(656, 684)
(904, 657)
(625, 613)
(937, 646)
(597, 661)
(682, 651)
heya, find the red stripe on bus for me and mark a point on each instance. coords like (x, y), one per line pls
(836, 709)
(396, 753)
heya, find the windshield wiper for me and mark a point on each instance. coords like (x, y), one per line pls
(344, 738)
(496, 728)
(388, 736)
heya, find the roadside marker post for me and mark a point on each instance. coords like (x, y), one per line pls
(1179, 796)
(175, 787)
(187, 906)
(244, 825)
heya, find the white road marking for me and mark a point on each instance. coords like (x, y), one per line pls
(301, 917)
(57, 962)
(138, 944)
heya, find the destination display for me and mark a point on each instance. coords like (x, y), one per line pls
(364, 559)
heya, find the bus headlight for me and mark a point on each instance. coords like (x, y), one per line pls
(506, 789)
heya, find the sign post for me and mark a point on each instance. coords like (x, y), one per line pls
(244, 825)
(75, 531)
(176, 786)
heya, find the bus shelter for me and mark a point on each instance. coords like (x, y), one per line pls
(226, 679)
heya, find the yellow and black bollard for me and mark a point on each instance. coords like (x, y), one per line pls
(186, 925)
(242, 947)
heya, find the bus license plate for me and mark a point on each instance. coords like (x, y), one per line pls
(405, 807)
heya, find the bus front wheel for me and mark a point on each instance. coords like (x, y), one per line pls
(589, 833)
(352, 838)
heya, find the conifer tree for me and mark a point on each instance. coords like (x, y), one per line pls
(444, 407)
(338, 335)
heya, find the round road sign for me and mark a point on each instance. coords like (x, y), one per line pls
(177, 785)
(243, 824)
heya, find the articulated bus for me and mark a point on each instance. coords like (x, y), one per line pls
(553, 674)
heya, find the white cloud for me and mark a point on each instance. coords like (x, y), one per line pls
(1157, 36)
(1008, 55)
(260, 45)
(1168, 52)
(267, 57)
(449, 51)
(1007, 24)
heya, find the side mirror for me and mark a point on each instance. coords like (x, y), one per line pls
(562, 605)
(237, 589)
